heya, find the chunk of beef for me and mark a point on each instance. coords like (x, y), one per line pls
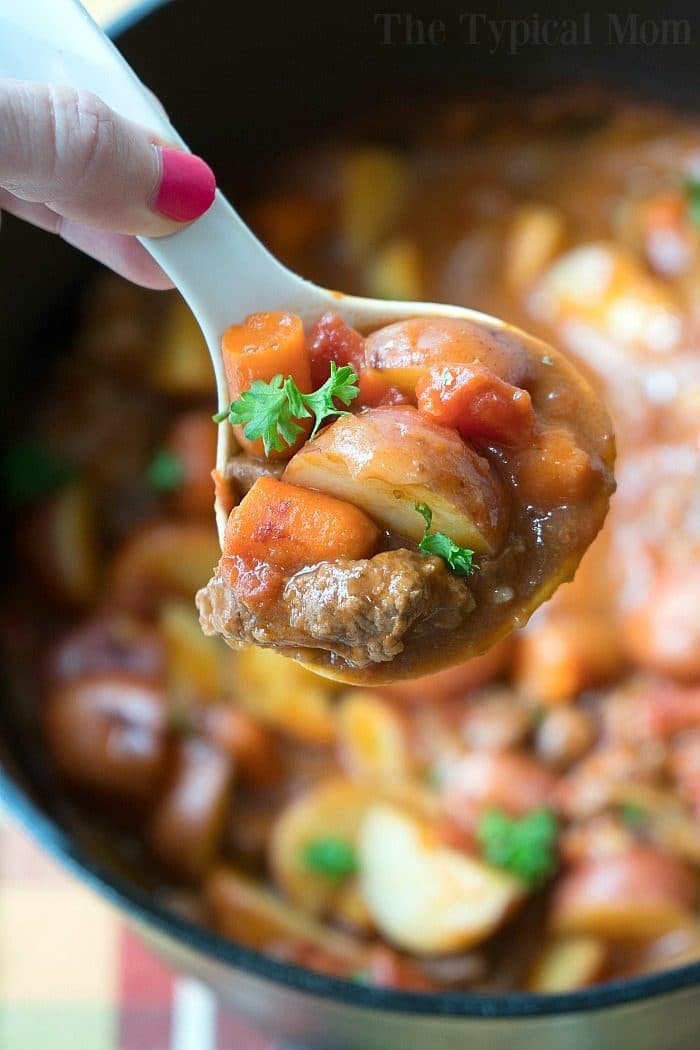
(362, 610)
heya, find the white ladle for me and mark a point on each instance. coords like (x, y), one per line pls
(222, 271)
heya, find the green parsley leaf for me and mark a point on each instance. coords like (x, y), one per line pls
(333, 858)
(30, 472)
(166, 471)
(269, 410)
(691, 187)
(458, 558)
(264, 411)
(341, 384)
(525, 847)
(634, 815)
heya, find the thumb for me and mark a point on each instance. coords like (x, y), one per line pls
(67, 149)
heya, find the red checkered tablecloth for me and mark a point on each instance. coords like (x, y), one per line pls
(74, 977)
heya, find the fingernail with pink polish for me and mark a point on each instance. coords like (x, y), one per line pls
(187, 185)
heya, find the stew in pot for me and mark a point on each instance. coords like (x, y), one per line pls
(527, 819)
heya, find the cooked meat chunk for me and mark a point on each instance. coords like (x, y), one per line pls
(362, 610)
(244, 470)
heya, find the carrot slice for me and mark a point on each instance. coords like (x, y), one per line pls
(288, 527)
(263, 346)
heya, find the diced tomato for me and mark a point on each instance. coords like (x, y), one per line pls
(375, 391)
(331, 339)
(477, 402)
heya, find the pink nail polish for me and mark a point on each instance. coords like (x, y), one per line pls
(187, 185)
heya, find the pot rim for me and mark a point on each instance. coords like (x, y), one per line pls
(140, 907)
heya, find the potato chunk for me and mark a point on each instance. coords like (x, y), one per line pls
(333, 809)
(423, 896)
(388, 459)
(284, 696)
(405, 350)
(635, 895)
(568, 963)
(248, 913)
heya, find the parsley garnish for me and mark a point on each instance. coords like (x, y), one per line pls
(31, 471)
(691, 187)
(166, 471)
(333, 858)
(634, 815)
(459, 559)
(525, 847)
(269, 410)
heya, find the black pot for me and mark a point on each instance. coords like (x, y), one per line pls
(240, 82)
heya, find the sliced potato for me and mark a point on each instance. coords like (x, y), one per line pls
(537, 234)
(350, 909)
(371, 737)
(666, 821)
(677, 948)
(396, 271)
(284, 695)
(246, 912)
(60, 539)
(604, 287)
(388, 459)
(636, 895)
(425, 897)
(405, 350)
(334, 809)
(194, 660)
(181, 365)
(162, 560)
(568, 963)
(373, 190)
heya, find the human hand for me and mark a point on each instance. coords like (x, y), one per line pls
(71, 165)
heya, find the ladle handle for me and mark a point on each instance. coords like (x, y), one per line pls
(217, 264)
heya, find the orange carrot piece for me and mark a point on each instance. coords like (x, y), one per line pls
(290, 527)
(552, 468)
(376, 391)
(266, 345)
